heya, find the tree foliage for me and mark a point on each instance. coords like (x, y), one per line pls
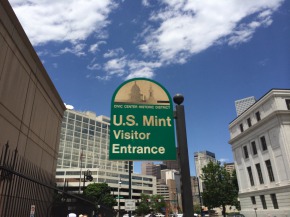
(100, 193)
(221, 188)
(148, 203)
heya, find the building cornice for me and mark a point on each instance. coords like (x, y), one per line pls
(259, 124)
(264, 191)
(258, 103)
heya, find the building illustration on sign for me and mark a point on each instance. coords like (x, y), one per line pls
(141, 92)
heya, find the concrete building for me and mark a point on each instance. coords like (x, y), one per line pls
(84, 146)
(243, 104)
(173, 164)
(260, 140)
(148, 168)
(201, 159)
(230, 167)
(31, 112)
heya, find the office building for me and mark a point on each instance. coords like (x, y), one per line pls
(201, 159)
(149, 168)
(84, 146)
(31, 112)
(173, 164)
(260, 141)
(243, 104)
(230, 167)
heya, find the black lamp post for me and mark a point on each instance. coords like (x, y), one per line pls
(119, 197)
(87, 177)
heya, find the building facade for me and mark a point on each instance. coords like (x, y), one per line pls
(84, 147)
(260, 140)
(230, 167)
(31, 112)
(201, 159)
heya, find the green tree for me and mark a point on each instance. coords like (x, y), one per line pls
(236, 202)
(157, 203)
(143, 207)
(100, 193)
(147, 203)
(220, 189)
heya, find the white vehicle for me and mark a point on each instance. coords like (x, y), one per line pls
(159, 215)
(127, 215)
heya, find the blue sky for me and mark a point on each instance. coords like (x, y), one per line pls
(212, 52)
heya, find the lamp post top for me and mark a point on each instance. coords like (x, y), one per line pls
(178, 99)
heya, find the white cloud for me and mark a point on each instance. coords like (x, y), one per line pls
(95, 47)
(116, 66)
(223, 160)
(62, 20)
(178, 29)
(141, 73)
(77, 49)
(189, 27)
(114, 53)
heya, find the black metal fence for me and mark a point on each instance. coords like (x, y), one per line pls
(27, 190)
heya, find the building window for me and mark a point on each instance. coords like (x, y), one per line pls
(249, 122)
(253, 199)
(241, 128)
(274, 201)
(263, 143)
(246, 152)
(254, 147)
(288, 103)
(258, 117)
(270, 171)
(260, 175)
(263, 201)
(251, 176)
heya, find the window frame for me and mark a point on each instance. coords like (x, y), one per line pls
(253, 199)
(254, 150)
(246, 152)
(259, 172)
(258, 116)
(274, 201)
(263, 143)
(249, 122)
(270, 170)
(287, 103)
(241, 127)
(263, 201)
(251, 177)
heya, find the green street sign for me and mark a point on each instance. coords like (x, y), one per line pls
(119, 197)
(142, 122)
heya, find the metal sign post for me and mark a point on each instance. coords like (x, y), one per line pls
(187, 203)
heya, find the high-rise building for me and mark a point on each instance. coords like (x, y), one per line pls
(243, 104)
(148, 168)
(84, 147)
(260, 140)
(201, 159)
(172, 164)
